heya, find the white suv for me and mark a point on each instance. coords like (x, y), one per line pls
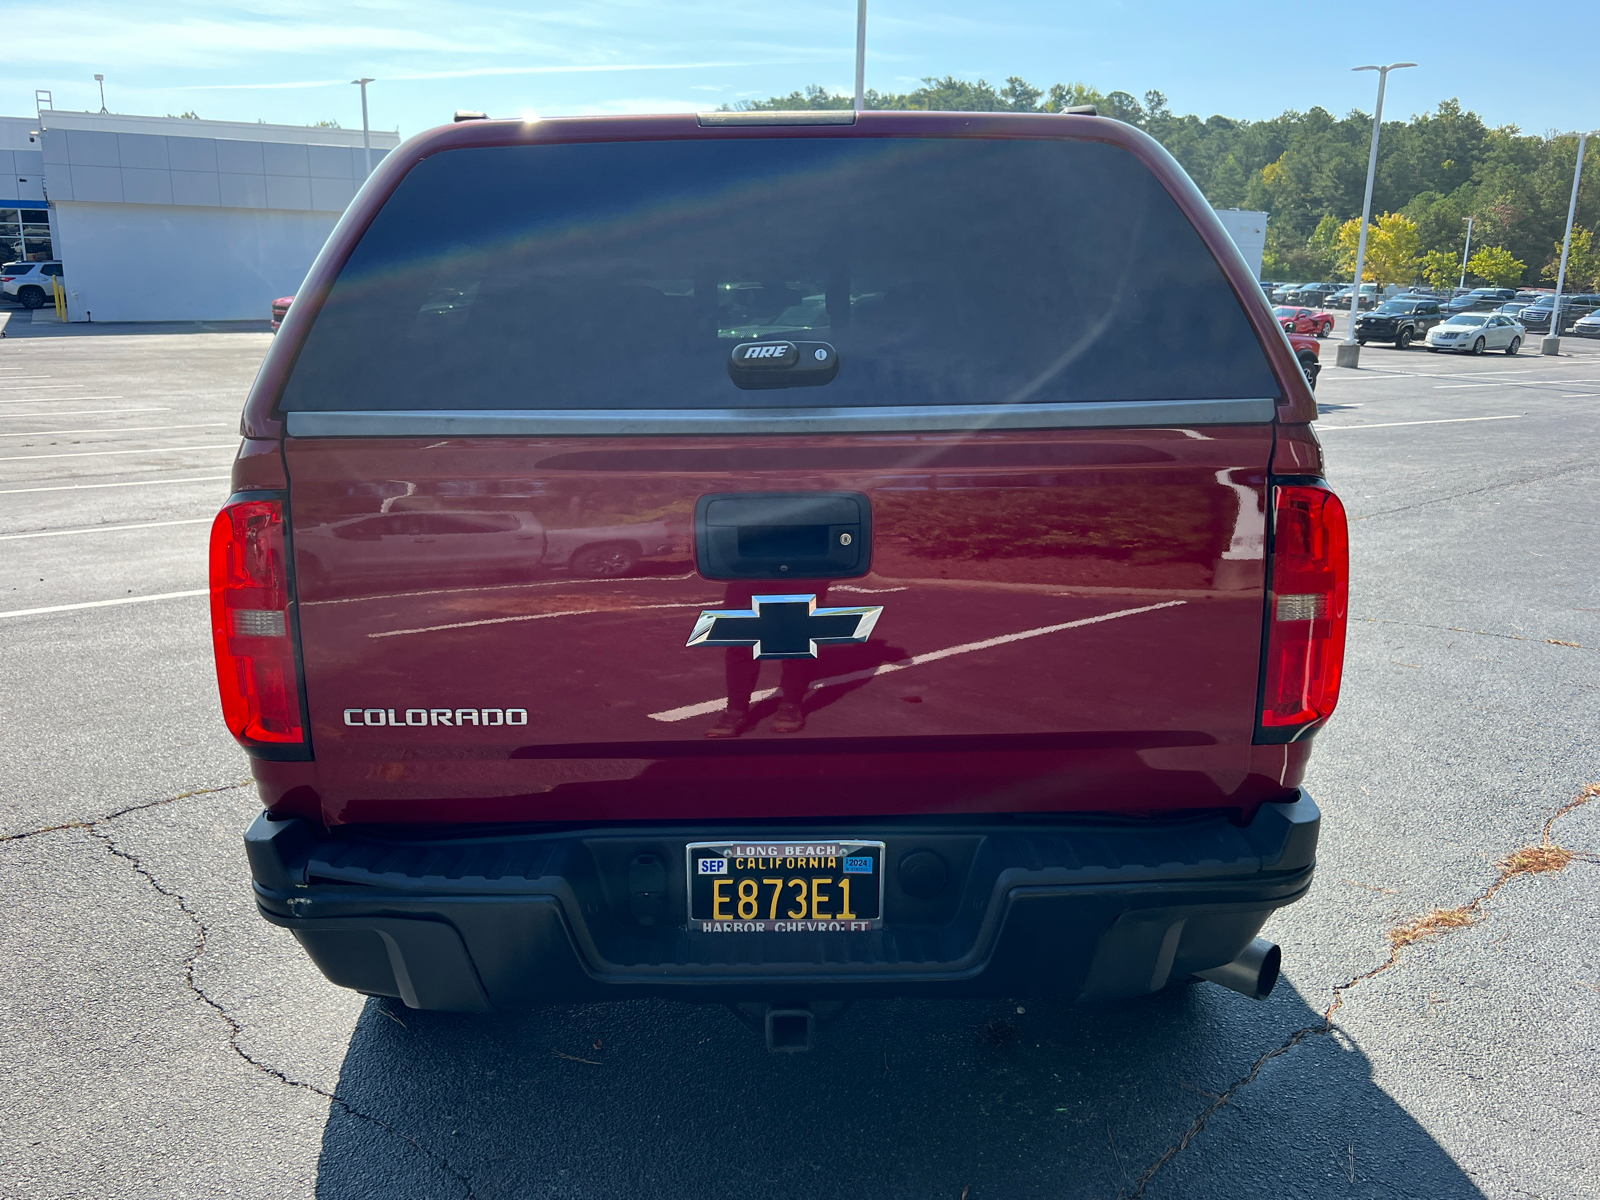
(29, 282)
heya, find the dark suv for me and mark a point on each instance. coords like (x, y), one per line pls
(1484, 299)
(1049, 611)
(1536, 317)
(1402, 321)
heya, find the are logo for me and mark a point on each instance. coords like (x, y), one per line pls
(767, 354)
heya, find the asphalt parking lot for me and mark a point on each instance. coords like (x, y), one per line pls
(1437, 1033)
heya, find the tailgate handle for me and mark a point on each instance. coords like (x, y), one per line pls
(783, 535)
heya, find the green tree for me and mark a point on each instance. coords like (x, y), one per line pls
(1496, 266)
(1393, 249)
(1440, 268)
(1583, 262)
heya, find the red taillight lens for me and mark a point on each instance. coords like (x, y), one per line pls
(1306, 609)
(250, 624)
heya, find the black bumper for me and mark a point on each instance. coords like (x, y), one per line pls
(1083, 910)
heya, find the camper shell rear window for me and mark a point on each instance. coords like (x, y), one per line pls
(622, 275)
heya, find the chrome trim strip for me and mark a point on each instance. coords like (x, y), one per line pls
(644, 422)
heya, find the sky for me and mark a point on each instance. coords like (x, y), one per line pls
(288, 61)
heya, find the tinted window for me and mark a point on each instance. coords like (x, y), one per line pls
(17, 268)
(621, 275)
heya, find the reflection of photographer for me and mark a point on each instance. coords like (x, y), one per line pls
(742, 670)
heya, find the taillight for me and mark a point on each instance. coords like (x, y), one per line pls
(251, 625)
(1306, 611)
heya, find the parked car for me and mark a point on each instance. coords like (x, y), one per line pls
(1473, 333)
(1533, 295)
(280, 310)
(1339, 301)
(30, 283)
(1400, 320)
(1536, 317)
(1483, 299)
(1308, 353)
(479, 797)
(1589, 326)
(472, 542)
(1282, 291)
(1512, 307)
(1305, 320)
(1312, 294)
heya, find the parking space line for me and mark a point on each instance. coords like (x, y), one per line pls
(121, 429)
(79, 412)
(103, 453)
(1393, 424)
(1445, 387)
(15, 537)
(84, 487)
(56, 399)
(56, 608)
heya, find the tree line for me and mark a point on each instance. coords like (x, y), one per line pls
(1308, 170)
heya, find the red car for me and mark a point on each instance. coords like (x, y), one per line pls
(993, 655)
(280, 309)
(1308, 352)
(1305, 320)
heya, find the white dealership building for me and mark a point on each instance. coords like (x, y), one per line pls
(174, 219)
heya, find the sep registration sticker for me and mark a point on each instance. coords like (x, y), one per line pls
(785, 886)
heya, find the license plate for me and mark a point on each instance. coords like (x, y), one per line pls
(785, 885)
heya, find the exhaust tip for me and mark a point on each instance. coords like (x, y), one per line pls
(1254, 973)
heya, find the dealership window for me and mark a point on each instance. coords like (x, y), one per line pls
(25, 235)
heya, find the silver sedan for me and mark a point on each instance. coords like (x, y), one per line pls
(1473, 333)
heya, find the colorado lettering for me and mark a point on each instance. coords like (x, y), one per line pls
(454, 717)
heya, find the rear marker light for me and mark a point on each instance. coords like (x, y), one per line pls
(257, 672)
(1310, 594)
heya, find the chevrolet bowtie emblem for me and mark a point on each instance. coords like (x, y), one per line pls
(784, 626)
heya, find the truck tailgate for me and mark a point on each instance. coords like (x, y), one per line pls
(1070, 618)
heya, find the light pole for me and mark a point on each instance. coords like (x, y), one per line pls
(1349, 354)
(861, 55)
(1466, 252)
(101, 80)
(366, 135)
(1552, 344)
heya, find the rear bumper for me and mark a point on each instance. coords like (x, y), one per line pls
(1085, 911)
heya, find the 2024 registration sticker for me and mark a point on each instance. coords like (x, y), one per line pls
(785, 887)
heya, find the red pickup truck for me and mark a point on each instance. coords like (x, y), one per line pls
(990, 657)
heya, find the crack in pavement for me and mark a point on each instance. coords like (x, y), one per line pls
(202, 932)
(1536, 859)
(1510, 637)
(1488, 487)
(122, 812)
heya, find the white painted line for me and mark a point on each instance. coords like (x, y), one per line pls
(83, 487)
(78, 412)
(1393, 424)
(573, 612)
(56, 399)
(103, 453)
(1456, 387)
(13, 537)
(121, 429)
(711, 706)
(55, 608)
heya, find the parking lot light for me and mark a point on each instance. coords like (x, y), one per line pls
(366, 133)
(1552, 344)
(1348, 353)
(1466, 252)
